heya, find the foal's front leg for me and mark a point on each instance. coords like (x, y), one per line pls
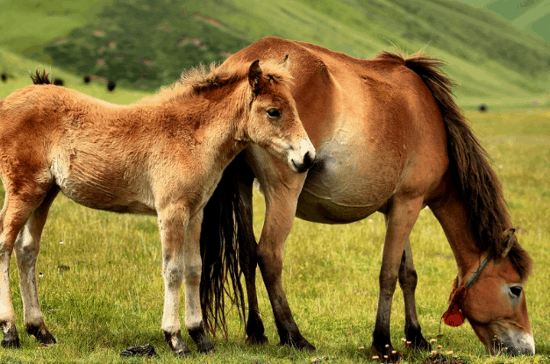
(181, 260)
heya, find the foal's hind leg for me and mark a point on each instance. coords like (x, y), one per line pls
(27, 248)
(407, 280)
(14, 215)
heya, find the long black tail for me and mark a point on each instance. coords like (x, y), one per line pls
(222, 230)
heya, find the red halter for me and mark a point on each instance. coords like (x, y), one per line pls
(454, 316)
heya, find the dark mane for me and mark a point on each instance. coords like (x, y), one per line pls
(40, 78)
(476, 180)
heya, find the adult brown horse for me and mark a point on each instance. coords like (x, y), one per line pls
(389, 138)
(163, 156)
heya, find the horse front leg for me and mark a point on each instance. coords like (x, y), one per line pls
(399, 223)
(281, 208)
(16, 212)
(181, 261)
(27, 248)
(192, 275)
(248, 262)
(408, 280)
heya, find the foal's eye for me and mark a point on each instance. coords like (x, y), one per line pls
(515, 291)
(273, 113)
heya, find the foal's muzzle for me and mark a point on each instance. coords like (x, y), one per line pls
(302, 156)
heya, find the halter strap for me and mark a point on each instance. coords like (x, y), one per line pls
(454, 316)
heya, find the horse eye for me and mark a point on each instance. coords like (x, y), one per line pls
(515, 291)
(273, 113)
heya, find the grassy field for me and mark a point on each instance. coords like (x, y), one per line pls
(102, 289)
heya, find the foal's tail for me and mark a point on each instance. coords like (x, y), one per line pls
(476, 181)
(222, 232)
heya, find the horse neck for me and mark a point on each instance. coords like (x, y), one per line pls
(452, 214)
(216, 122)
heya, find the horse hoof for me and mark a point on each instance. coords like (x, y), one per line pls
(11, 338)
(11, 342)
(417, 341)
(42, 334)
(176, 343)
(204, 345)
(300, 344)
(256, 340)
(386, 353)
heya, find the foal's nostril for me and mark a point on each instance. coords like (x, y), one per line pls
(308, 161)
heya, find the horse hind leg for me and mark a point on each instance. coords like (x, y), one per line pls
(27, 248)
(408, 280)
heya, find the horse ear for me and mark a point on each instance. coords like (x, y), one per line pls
(286, 62)
(509, 240)
(255, 76)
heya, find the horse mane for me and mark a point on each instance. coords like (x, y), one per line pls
(476, 181)
(40, 78)
(199, 80)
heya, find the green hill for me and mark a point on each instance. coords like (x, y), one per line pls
(144, 44)
(531, 16)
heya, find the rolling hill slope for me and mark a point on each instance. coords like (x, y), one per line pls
(145, 44)
(530, 16)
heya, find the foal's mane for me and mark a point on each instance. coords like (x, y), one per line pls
(477, 182)
(199, 80)
(40, 78)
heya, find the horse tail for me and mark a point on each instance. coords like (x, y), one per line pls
(222, 230)
(476, 181)
(40, 78)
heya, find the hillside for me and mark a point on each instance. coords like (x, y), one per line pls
(144, 44)
(531, 16)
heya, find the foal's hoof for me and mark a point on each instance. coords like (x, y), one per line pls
(176, 343)
(11, 338)
(204, 345)
(11, 343)
(42, 334)
(300, 344)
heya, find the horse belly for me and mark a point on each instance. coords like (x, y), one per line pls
(347, 184)
(102, 187)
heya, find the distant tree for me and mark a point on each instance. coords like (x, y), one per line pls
(4, 77)
(58, 82)
(111, 85)
(87, 79)
(483, 108)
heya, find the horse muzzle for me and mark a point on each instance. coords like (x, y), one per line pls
(301, 156)
(513, 343)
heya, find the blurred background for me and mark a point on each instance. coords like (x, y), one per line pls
(498, 51)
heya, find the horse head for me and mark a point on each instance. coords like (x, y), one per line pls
(492, 298)
(274, 123)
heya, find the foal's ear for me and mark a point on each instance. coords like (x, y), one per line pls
(286, 62)
(255, 76)
(509, 241)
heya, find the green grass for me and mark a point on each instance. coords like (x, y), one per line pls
(112, 295)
